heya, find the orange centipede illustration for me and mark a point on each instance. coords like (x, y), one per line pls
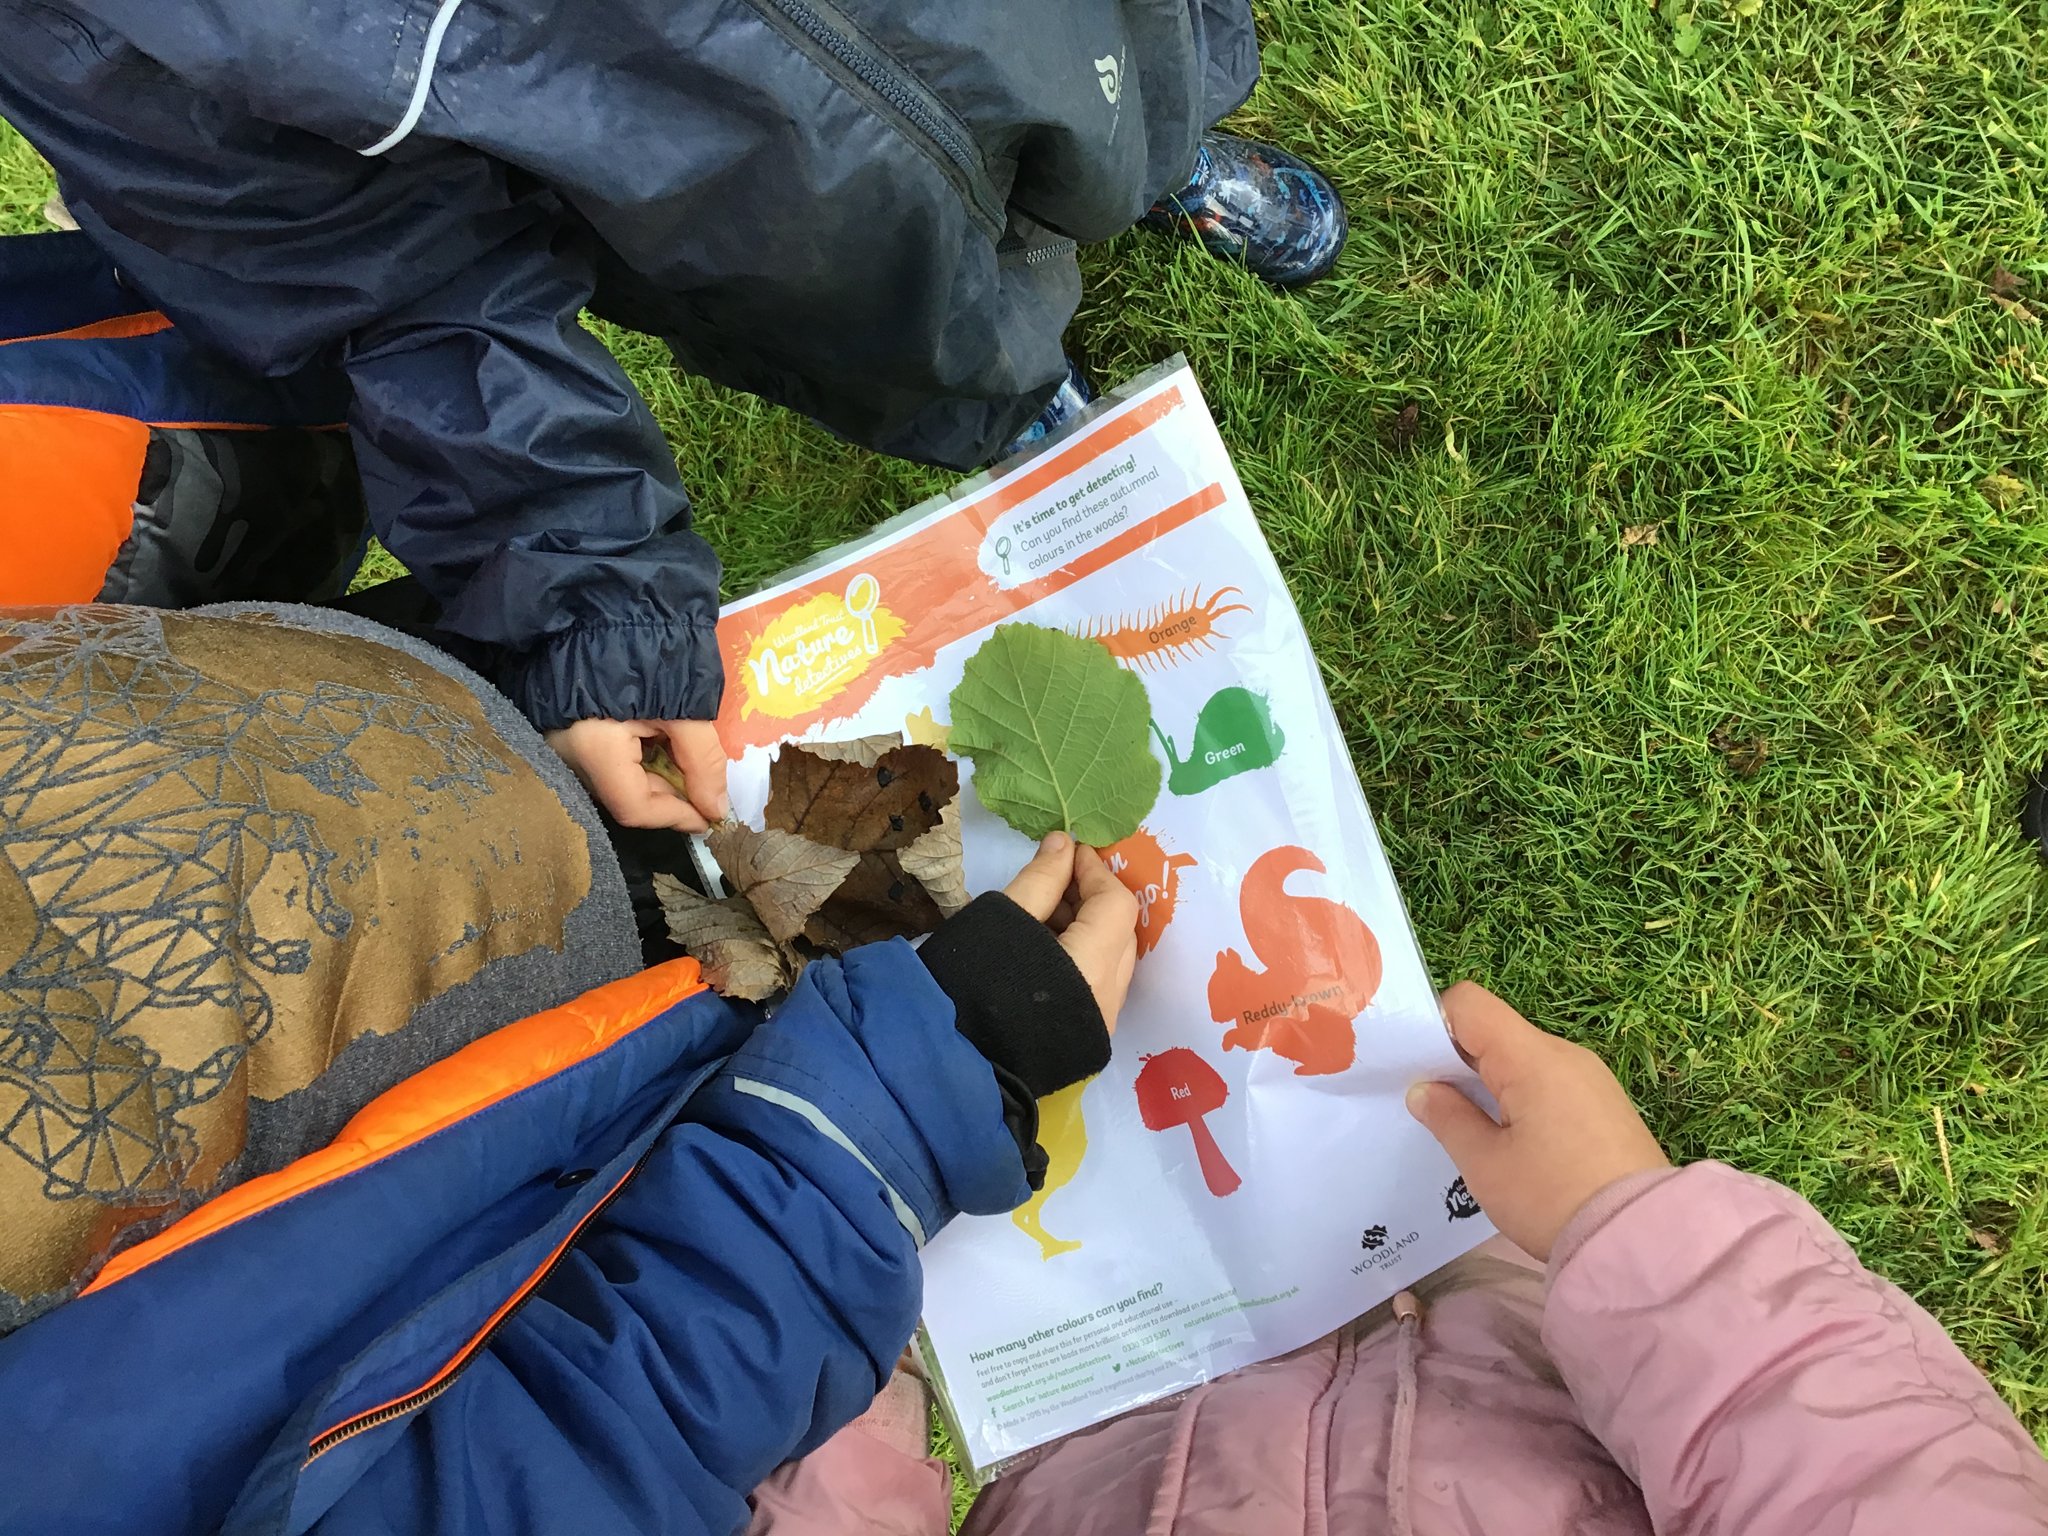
(1166, 633)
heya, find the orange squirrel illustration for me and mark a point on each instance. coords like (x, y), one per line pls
(1322, 967)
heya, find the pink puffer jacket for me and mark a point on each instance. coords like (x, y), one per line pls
(1704, 1358)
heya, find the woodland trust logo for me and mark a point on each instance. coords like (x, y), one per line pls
(1382, 1248)
(810, 652)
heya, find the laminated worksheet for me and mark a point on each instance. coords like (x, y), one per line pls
(1244, 1177)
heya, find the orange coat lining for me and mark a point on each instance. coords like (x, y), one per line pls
(67, 500)
(119, 328)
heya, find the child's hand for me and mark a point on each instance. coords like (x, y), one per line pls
(606, 756)
(1071, 890)
(1567, 1130)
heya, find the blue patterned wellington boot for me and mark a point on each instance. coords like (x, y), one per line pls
(1258, 205)
(1068, 401)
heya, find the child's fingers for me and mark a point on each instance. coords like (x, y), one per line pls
(695, 746)
(670, 810)
(1106, 921)
(1103, 937)
(610, 766)
(1070, 904)
(1092, 880)
(1502, 1046)
(1041, 883)
(652, 802)
(606, 756)
(1461, 1127)
(1127, 967)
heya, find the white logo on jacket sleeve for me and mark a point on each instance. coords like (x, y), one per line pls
(1109, 74)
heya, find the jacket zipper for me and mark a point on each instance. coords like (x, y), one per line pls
(412, 1402)
(836, 41)
(1034, 255)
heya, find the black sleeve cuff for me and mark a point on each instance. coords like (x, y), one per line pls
(1017, 996)
(1020, 1114)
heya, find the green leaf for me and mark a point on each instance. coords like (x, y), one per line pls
(1057, 732)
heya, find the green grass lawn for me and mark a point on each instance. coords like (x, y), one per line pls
(1693, 645)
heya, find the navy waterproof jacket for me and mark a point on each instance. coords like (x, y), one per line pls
(862, 209)
(600, 1271)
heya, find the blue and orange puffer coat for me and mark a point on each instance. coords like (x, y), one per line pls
(599, 1271)
(136, 467)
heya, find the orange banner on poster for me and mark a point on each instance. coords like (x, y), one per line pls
(817, 651)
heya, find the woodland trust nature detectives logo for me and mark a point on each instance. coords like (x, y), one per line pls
(813, 650)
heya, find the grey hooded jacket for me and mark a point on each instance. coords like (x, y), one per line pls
(862, 209)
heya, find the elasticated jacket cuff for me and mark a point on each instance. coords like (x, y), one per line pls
(624, 670)
(1609, 1203)
(1017, 996)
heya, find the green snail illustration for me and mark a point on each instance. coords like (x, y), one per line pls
(1235, 733)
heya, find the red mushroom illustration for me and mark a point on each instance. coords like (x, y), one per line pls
(1177, 1087)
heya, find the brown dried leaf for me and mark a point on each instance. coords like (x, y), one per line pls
(2016, 309)
(882, 802)
(1744, 755)
(740, 957)
(2004, 284)
(933, 861)
(1406, 426)
(1639, 533)
(2017, 360)
(1988, 1241)
(876, 901)
(786, 878)
(864, 751)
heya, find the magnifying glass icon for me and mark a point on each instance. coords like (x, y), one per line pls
(862, 594)
(1003, 552)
